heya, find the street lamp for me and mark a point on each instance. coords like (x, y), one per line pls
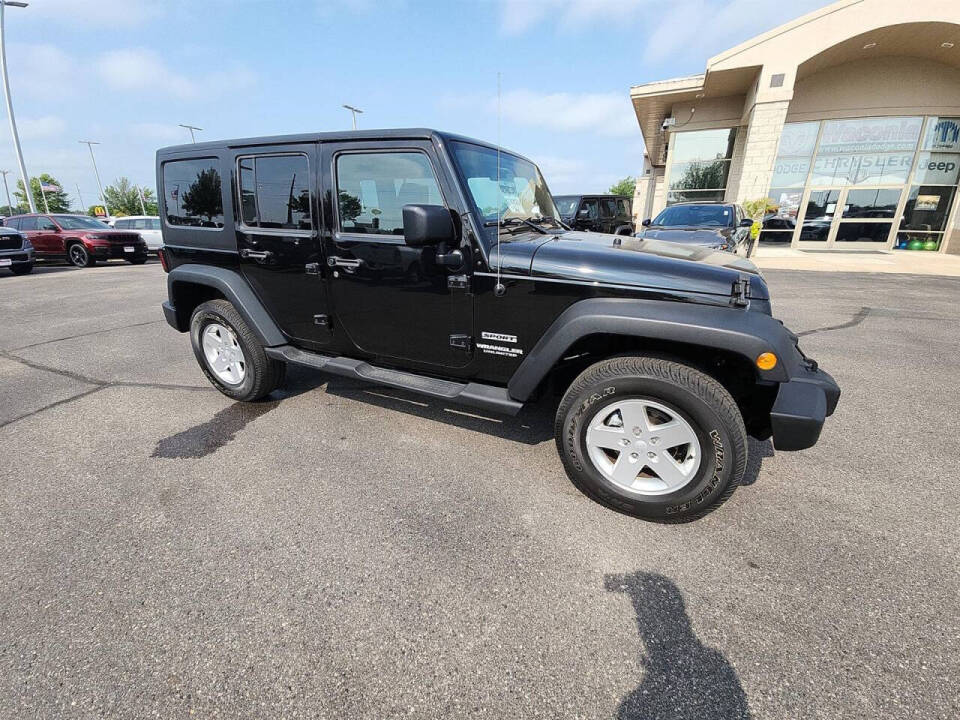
(27, 190)
(7, 189)
(90, 144)
(354, 111)
(191, 128)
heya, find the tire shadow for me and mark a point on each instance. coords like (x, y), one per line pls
(757, 451)
(683, 679)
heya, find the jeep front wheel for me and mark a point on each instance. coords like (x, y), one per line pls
(230, 355)
(652, 438)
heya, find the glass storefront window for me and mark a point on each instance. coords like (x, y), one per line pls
(937, 168)
(918, 241)
(675, 196)
(871, 203)
(798, 139)
(927, 208)
(701, 164)
(863, 232)
(943, 134)
(873, 169)
(870, 135)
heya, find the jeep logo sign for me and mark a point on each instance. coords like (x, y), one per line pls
(938, 169)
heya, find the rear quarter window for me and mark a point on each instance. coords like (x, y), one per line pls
(193, 193)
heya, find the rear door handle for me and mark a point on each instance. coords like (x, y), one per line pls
(334, 261)
(255, 254)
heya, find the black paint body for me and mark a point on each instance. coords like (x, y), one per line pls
(398, 308)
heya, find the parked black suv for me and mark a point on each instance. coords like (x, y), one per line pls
(596, 213)
(16, 252)
(716, 225)
(431, 262)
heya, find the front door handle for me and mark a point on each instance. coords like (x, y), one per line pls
(353, 263)
(255, 254)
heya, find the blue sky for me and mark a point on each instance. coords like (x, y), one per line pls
(126, 72)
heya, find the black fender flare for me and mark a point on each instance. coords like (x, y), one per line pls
(234, 288)
(746, 333)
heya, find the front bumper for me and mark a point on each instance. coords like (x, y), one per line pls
(17, 257)
(801, 407)
(108, 252)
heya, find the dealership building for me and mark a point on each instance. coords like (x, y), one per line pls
(847, 118)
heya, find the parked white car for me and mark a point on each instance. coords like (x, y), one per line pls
(147, 225)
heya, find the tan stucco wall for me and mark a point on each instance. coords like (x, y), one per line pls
(882, 86)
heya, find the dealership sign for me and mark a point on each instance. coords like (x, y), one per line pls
(943, 134)
(870, 135)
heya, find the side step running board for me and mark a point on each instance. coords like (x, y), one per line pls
(488, 397)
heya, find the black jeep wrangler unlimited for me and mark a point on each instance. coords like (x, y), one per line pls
(435, 263)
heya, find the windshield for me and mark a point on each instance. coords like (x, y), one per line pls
(567, 204)
(78, 222)
(521, 192)
(696, 216)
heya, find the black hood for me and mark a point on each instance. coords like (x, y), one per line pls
(710, 237)
(624, 260)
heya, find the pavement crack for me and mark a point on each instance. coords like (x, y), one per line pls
(81, 335)
(86, 380)
(64, 401)
(858, 318)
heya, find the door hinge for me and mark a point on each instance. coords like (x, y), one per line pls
(740, 292)
(458, 282)
(461, 342)
(321, 320)
(312, 268)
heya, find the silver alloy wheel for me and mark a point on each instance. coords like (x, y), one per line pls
(643, 447)
(223, 353)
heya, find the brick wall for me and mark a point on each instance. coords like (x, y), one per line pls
(760, 149)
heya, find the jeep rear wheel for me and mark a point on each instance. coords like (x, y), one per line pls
(652, 438)
(230, 355)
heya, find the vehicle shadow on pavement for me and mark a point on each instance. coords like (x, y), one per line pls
(682, 678)
(757, 450)
(532, 426)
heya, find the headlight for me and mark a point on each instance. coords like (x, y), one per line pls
(26, 242)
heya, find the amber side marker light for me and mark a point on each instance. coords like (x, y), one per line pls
(766, 361)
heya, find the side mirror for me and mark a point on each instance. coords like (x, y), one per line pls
(646, 223)
(746, 222)
(427, 225)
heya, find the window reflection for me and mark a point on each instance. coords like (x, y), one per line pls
(193, 193)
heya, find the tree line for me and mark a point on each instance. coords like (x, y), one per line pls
(123, 198)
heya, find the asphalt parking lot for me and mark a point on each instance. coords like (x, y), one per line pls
(349, 551)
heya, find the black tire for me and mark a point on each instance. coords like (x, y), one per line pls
(78, 255)
(22, 268)
(699, 399)
(137, 261)
(262, 374)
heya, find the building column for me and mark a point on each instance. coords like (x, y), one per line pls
(763, 131)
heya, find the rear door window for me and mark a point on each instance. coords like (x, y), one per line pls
(275, 191)
(624, 207)
(28, 223)
(193, 193)
(608, 208)
(45, 223)
(12, 223)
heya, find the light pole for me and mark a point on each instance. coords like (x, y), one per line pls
(143, 208)
(354, 111)
(90, 144)
(191, 128)
(80, 195)
(27, 190)
(7, 189)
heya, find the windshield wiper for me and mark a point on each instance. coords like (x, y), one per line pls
(514, 221)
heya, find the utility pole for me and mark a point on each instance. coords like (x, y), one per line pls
(354, 111)
(191, 128)
(143, 209)
(90, 144)
(6, 187)
(27, 190)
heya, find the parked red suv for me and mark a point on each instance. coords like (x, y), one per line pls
(80, 239)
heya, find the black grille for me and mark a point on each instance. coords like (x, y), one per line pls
(10, 242)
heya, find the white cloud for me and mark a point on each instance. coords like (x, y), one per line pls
(140, 69)
(608, 114)
(46, 126)
(41, 70)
